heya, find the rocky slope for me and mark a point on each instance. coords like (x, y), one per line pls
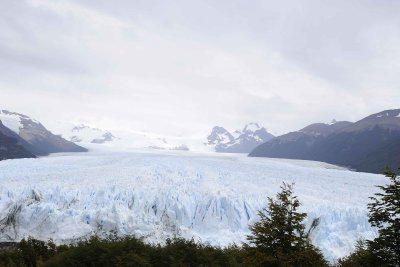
(367, 145)
(11, 147)
(35, 137)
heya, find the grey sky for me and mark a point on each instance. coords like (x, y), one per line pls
(180, 67)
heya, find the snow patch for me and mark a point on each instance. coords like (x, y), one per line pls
(11, 121)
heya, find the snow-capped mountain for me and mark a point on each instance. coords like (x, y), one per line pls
(86, 134)
(92, 137)
(37, 139)
(367, 145)
(219, 135)
(240, 141)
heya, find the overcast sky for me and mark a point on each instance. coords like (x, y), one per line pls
(181, 67)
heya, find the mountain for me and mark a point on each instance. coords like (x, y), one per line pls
(367, 145)
(86, 134)
(240, 141)
(91, 137)
(219, 136)
(33, 136)
(11, 147)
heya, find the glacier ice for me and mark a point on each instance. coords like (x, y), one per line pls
(210, 197)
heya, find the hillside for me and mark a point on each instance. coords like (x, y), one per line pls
(33, 136)
(10, 149)
(366, 145)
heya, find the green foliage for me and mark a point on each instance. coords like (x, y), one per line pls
(384, 213)
(361, 257)
(279, 238)
(11, 258)
(30, 253)
(34, 251)
(110, 251)
(130, 251)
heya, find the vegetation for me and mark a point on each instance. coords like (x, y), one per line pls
(118, 251)
(278, 239)
(384, 214)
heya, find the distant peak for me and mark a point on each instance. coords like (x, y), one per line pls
(81, 127)
(252, 126)
(219, 129)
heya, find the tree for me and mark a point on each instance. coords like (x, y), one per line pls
(361, 257)
(279, 238)
(384, 213)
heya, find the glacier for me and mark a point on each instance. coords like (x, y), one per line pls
(159, 194)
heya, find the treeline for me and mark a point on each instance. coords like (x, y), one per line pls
(384, 214)
(279, 239)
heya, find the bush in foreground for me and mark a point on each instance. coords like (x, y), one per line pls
(280, 238)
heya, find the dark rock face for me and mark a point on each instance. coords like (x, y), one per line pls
(44, 141)
(10, 148)
(243, 141)
(325, 129)
(38, 140)
(367, 145)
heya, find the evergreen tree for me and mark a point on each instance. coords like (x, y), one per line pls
(384, 213)
(279, 238)
(361, 257)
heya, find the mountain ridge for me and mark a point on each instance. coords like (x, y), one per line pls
(362, 146)
(33, 136)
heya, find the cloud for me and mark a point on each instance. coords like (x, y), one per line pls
(180, 67)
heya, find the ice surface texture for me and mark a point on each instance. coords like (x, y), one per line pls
(210, 197)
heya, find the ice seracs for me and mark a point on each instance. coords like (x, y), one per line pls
(155, 195)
